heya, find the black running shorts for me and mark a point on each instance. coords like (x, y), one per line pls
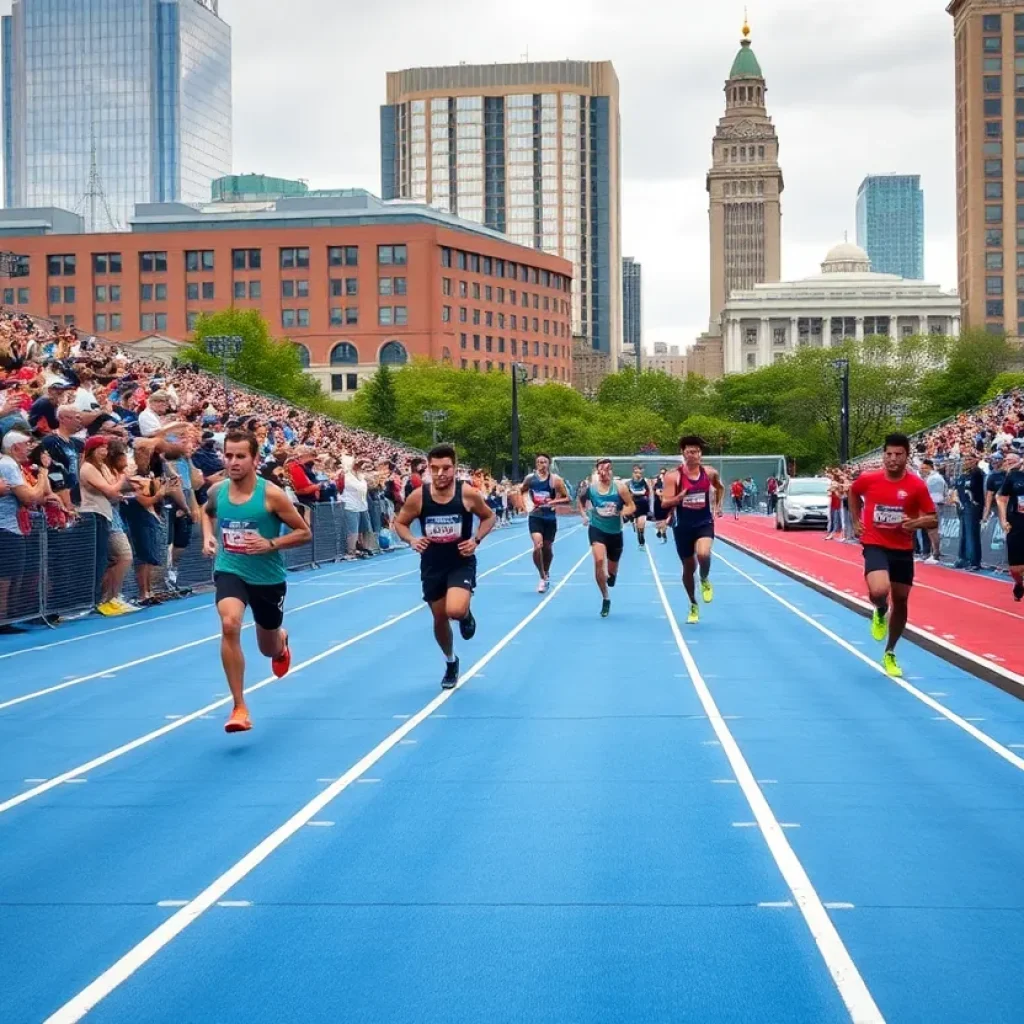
(1015, 545)
(547, 528)
(643, 507)
(265, 600)
(687, 537)
(612, 542)
(898, 564)
(437, 582)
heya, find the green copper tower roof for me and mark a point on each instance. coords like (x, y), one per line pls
(745, 65)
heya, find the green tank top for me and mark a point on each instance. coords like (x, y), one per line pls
(234, 523)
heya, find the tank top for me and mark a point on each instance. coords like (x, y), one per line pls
(445, 525)
(695, 508)
(542, 493)
(238, 521)
(605, 509)
(94, 501)
(638, 488)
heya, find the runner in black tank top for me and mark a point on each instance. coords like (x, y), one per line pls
(695, 493)
(661, 514)
(546, 490)
(445, 508)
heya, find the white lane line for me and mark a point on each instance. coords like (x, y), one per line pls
(968, 727)
(172, 903)
(127, 748)
(320, 824)
(845, 976)
(233, 903)
(839, 906)
(107, 673)
(77, 1007)
(780, 905)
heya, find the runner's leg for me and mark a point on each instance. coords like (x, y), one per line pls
(442, 627)
(689, 567)
(231, 611)
(898, 618)
(879, 589)
(600, 553)
(703, 549)
(271, 642)
(538, 553)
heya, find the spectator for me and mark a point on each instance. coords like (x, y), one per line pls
(936, 484)
(101, 488)
(970, 499)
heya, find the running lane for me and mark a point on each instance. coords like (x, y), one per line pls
(974, 611)
(552, 844)
(908, 826)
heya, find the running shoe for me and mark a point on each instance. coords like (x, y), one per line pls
(891, 665)
(467, 626)
(879, 626)
(707, 592)
(126, 606)
(1018, 590)
(606, 607)
(694, 617)
(642, 540)
(543, 586)
(239, 721)
(612, 577)
(451, 675)
(280, 664)
(108, 608)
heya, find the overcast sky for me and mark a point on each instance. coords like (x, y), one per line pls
(853, 89)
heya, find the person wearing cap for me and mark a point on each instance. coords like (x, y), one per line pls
(16, 492)
(101, 488)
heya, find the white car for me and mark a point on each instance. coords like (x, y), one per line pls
(804, 502)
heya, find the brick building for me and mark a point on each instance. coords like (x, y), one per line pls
(354, 281)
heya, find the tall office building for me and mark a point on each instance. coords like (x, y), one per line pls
(745, 188)
(890, 224)
(530, 149)
(109, 103)
(989, 58)
(632, 303)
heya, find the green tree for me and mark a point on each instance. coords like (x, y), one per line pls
(266, 363)
(1003, 382)
(382, 401)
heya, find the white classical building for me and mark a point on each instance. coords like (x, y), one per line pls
(846, 300)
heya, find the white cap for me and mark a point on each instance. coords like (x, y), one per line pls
(12, 438)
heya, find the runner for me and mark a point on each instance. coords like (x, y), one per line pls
(736, 491)
(546, 490)
(661, 515)
(689, 493)
(445, 508)
(1010, 502)
(640, 491)
(609, 501)
(242, 528)
(886, 508)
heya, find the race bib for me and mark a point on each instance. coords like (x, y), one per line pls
(607, 511)
(888, 516)
(540, 497)
(443, 529)
(234, 533)
(695, 500)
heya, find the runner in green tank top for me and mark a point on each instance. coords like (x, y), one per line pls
(242, 532)
(609, 501)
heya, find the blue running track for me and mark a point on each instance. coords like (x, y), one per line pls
(621, 820)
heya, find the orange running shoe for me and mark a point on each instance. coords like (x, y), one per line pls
(280, 665)
(239, 721)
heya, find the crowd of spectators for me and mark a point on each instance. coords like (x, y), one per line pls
(89, 435)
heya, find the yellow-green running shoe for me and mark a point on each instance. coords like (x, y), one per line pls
(891, 665)
(879, 625)
(694, 616)
(707, 591)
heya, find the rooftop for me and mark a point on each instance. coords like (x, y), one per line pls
(745, 65)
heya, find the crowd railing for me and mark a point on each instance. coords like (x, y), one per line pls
(58, 578)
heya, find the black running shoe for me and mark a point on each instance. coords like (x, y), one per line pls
(467, 626)
(606, 607)
(1018, 591)
(451, 675)
(642, 540)
(612, 577)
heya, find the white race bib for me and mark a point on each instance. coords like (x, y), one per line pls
(609, 511)
(695, 499)
(446, 529)
(234, 533)
(888, 516)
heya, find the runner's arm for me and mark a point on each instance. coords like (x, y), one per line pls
(475, 503)
(278, 503)
(628, 508)
(716, 483)
(1003, 503)
(856, 507)
(581, 503)
(669, 496)
(407, 515)
(207, 521)
(561, 491)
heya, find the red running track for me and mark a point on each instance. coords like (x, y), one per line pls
(972, 612)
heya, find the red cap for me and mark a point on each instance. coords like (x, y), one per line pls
(96, 442)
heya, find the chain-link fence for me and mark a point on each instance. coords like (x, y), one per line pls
(50, 574)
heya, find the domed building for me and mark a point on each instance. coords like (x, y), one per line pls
(847, 299)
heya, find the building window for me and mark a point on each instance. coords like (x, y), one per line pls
(993, 64)
(337, 316)
(246, 259)
(993, 190)
(106, 263)
(239, 289)
(255, 289)
(476, 316)
(994, 238)
(476, 290)
(22, 297)
(198, 259)
(192, 292)
(191, 319)
(303, 353)
(992, 44)
(115, 293)
(153, 262)
(994, 260)
(446, 256)
(391, 255)
(292, 259)
(446, 286)
(991, 23)
(208, 290)
(61, 266)
(351, 314)
(993, 214)
(344, 353)
(101, 323)
(462, 340)
(153, 321)
(287, 317)
(385, 316)
(115, 321)
(993, 84)
(993, 149)
(101, 293)
(993, 107)
(393, 353)
(993, 129)
(993, 286)
(446, 314)
(343, 256)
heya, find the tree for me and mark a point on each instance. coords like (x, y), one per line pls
(382, 401)
(264, 362)
(1008, 381)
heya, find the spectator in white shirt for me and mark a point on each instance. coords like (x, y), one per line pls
(936, 484)
(357, 509)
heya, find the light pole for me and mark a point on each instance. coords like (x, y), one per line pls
(434, 417)
(843, 366)
(227, 346)
(518, 377)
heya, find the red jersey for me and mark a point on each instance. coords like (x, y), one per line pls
(886, 502)
(736, 489)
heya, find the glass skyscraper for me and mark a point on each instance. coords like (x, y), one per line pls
(529, 149)
(109, 103)
(632, 323)
(890, 224)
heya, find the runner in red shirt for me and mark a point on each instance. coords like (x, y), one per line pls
(886, 508)
(736, 490)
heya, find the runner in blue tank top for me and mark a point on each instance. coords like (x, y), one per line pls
(689, 492)
(640, 491)
(546, 490)
(609, 501)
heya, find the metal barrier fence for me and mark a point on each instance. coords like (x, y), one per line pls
(54, 573)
